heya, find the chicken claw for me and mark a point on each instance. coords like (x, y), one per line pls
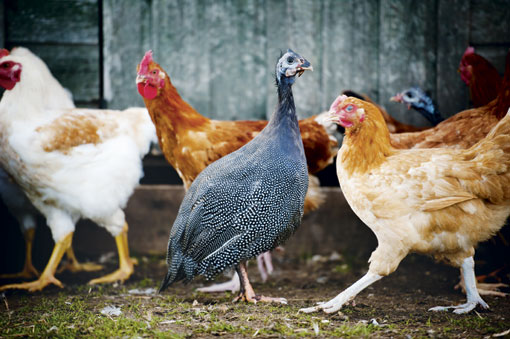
(73, 265)
(473, 297)
(126, 263)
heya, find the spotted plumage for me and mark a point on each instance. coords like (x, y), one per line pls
(247, 202)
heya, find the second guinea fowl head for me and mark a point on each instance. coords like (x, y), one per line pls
(417, 99)
(289, 65)
(150, 77)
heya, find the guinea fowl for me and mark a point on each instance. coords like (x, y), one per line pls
(248, 202)
(191, 141)
(417, 99)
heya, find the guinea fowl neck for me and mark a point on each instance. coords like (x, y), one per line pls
(286, 110)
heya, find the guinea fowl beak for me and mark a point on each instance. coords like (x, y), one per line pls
(397, 98)
(304, 66)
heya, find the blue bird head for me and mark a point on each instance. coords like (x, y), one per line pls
(289, 65)
(417, 99)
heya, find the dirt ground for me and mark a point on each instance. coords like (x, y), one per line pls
(393, 307)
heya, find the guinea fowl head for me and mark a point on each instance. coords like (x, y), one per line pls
(417, 99)
(289, 65)
(150, 77)
(10, 71)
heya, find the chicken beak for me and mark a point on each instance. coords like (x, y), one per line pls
(332, 116)
(140, 78)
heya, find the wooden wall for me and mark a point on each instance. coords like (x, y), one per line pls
(221, 54)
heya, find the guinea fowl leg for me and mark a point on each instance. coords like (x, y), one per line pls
(473, 298)
(264, 265)
(232, 285)
(47, 277)
(125, 262)
(247, 293)
(73, 265)
(28, 270)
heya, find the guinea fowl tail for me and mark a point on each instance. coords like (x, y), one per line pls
(177, 270)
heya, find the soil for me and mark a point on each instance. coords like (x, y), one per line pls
(397, 306)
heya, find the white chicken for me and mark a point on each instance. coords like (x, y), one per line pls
(71, 163)
(15, 199)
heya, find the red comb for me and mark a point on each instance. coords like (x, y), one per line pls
(337, 102)
(3, 52)
(469, 50)
(144, 65)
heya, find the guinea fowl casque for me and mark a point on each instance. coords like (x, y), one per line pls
(191, 141)
(71, 163)
(249, 201)
(430, 201)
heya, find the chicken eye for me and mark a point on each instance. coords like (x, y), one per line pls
(349, 108)
(154, 72)
(290, 60)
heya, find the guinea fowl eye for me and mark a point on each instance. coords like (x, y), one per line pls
(5, 65)
(290, 60)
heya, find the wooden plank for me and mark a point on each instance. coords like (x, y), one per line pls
(296, 25)
(2, 25)
(75, 67)
(124, 46)
(490, 21)
(452, 95)
(407, 53)
(69, 21)
(350, 49)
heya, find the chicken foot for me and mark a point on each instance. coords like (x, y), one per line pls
(126, 263)
(473, 298)
(47, 277)
(265, 266)
(28, 270)
(247, 293)
(347, 295)
(73, 265)
(484, 288)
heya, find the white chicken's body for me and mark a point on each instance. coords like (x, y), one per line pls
(71, 163)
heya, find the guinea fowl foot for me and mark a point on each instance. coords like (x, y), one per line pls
(259, 298)
(233, 286)
(247, 293)
(126, 263)
(36, 285)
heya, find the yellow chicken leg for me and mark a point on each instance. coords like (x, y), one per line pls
(28, 270)
(47, 277)
(72, 264)
(125, 262)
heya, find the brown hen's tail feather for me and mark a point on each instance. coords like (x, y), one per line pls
(314, 196)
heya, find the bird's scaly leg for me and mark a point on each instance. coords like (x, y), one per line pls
(232, 285)
(265, 265)
(47, 277)
(29, 270)
(247, 293)
(473, 298)
(125, 262)
(74, 265)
